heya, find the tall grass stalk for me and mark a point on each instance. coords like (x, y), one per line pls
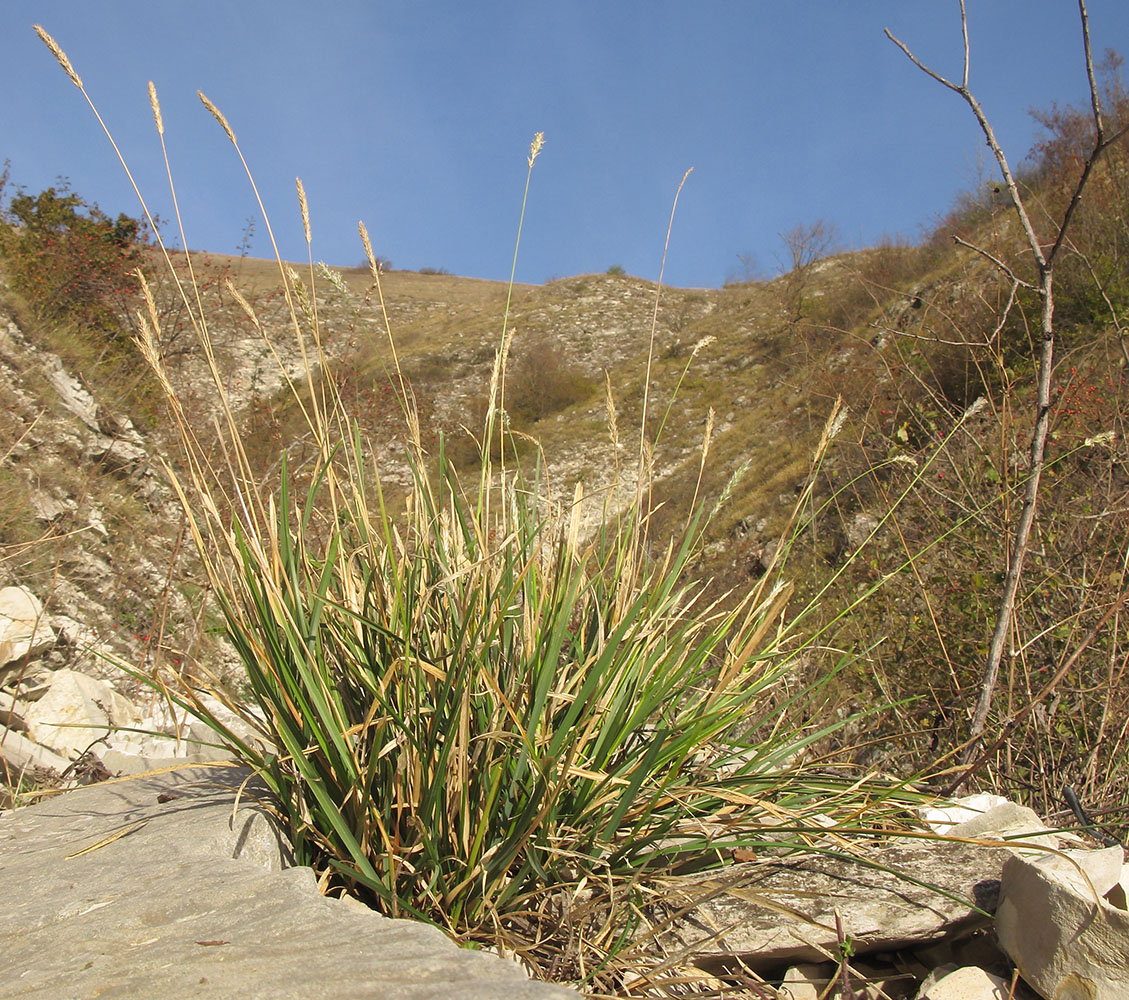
(470, 709)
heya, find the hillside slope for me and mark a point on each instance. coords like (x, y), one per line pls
(936, 388)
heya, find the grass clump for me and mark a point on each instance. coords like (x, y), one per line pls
(481, 704)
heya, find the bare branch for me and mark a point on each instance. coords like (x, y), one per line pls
(1045, 360)
(906, 335)
(995, 260)
(1101, 141)
(921, 66)
(964, 31)
(986, 128)
(1095, 100)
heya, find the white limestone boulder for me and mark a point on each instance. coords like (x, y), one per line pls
(1067, 941)
(76, 711)
(22, 756)
(24, 630)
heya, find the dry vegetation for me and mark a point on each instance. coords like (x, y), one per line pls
(896, 539)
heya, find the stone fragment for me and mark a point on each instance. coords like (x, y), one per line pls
(1067, 942)
(807, 981)
(767, 914)
(23, 627)
(73, 633)
(1089, 872)
(76, 711)
(942, 818)
(72, 393)
(49, 508)
(119, 454)
(968, 983)
(22, 755)
(1008, 822)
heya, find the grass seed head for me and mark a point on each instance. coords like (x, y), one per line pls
(373, 264)
(59, 54)
(304, 206)
(156, 106)
(535, 147)
(241, 301)
(218, 115)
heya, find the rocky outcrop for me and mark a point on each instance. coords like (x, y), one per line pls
(960, 918)
(62, 727)
(75, 712)
(766, 914)
(1059, 925)
(153, 888)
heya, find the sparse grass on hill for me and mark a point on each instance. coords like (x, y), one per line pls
(485, 704)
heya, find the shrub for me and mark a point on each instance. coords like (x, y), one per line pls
(69, 260)
(541, 382)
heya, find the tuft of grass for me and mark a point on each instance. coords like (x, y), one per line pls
(488, 705)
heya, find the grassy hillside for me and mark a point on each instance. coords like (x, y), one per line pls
(541, 584)
(911, 337)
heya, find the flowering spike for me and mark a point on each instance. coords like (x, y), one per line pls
(59, 54)
(535, 147)
(156, 106)
(218, 115)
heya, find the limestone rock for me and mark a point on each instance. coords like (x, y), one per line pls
(770, 913)
(48, 507)
(73, 633)
(1008, 822)
(71, 392)
(24, 757)
(968, 983)
(120, 454)
(23, 628)
(1066, 941)
(76, 711)
(942, 818)
(193, 901)
(807, 981)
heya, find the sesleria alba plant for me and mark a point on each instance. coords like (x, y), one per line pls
(471, 708)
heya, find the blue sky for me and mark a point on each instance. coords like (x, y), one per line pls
(417, 117)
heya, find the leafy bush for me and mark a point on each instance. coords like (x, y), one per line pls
(69, 260)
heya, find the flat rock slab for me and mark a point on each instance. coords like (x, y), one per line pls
(191, 901)
(776, 912)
